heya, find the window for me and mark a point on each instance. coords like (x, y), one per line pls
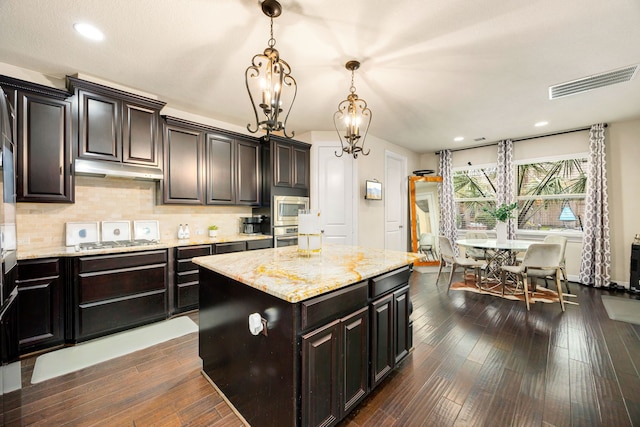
(475, 189)
(551, 194)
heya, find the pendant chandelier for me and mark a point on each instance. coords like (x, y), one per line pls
(271, 87)
(352, 120)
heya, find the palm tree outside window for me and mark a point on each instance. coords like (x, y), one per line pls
(543, 189)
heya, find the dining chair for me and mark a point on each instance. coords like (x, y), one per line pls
(541, 260)
(562, 241)
(448, 256)
(476, 253)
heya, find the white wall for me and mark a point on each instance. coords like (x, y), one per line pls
(370, 212)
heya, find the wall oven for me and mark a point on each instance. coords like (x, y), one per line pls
(285, 209)
(285, 236)
(285, 219)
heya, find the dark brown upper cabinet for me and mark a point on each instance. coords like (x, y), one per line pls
(44, 152)
(300, 163)
(206, 165)
(283, 166)
(221, 170)
(233, 170)
(289, 163)
(183, 162)
(116, 126)
(248, 172)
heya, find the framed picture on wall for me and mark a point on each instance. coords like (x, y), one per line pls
(373, 190)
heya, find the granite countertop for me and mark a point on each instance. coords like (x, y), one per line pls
(288, 275)
(32, 252)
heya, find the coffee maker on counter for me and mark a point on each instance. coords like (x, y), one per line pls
(253, 225)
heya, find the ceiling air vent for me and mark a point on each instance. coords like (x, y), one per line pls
(593, 82)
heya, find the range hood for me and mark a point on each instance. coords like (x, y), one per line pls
(116, 170)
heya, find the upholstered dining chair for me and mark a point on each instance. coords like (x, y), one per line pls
(562, 241)
(541, 260)
(476, 253)
(448, 256)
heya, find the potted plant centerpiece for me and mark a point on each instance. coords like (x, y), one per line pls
(502, 214)
(213, 231)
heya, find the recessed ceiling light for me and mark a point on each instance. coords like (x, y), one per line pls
(540, 124)
(458, 138)
(89, 31)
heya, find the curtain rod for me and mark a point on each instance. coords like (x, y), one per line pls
(524, 139)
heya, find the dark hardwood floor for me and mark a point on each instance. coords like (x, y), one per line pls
(478, 361)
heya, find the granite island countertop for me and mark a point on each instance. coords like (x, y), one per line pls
(293, 277)
(34, 251)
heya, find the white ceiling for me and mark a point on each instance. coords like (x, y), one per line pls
(431, 70)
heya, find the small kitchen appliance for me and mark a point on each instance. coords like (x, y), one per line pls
(251, 225)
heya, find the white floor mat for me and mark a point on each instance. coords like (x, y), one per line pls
(70, 359)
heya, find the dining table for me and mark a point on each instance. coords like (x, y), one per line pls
(497, 254)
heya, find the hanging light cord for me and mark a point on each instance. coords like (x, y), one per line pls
(272, 40)
(352, 89)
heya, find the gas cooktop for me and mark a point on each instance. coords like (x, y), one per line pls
(115, 244)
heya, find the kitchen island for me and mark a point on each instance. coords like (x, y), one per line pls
(334, 325)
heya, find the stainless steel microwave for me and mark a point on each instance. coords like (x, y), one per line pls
(285, 209)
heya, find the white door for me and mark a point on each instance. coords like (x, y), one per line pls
(395, 196)
(336, 194)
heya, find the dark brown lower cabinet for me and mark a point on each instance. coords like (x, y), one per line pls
(313, 364)
(401, 312)
(118, 291)
(390, 333)
(225, 248)
(259, 244)
(355, 362)
(187, 277)
(320, 375)
(40, 304)
(335, 361)
(382, 351)
(185, 295)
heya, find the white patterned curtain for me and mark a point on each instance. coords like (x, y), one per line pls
(447, 206)
(595, 266)
(504, 192)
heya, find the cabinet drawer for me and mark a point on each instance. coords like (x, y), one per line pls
(259, 244)
(97, 319)
(225, 248)
(187, 296)
(120, 261)
(382, 284)
(327, 307)
(119, 283)
(192, 251)
(184, 265)
(36, 269)
(188, 277)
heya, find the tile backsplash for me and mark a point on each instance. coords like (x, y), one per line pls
(101, 199)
